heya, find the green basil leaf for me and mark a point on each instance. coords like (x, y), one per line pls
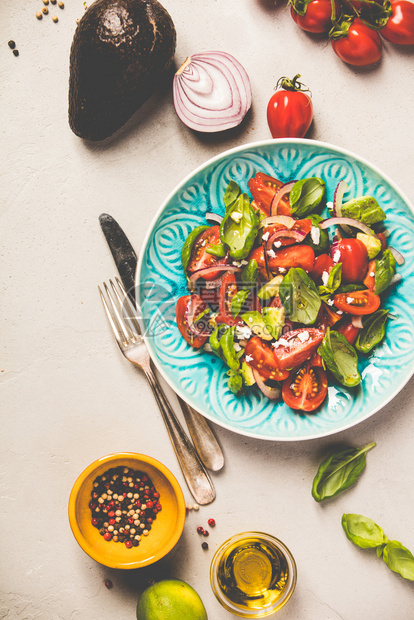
(384, 271)
(365, 209)
(231, 194)
(218, 250)
(373, 330)
(227, 347)
(239, 227)
(399, 559)
(299, 296)
(340, 358)
(380, 549)
(189, 244)
(235, 382)
(214, 342)
(237, 301)
(306, 196)
(339, 472)
(324, 244)
(349, 288)
(362, 531)
(250, 272)
(333, 281)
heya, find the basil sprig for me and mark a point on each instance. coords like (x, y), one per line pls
(338, 472)
(240, 224)
(373, 330)
(299, 296)
(365, 533)
(340, 358)
(306, 196)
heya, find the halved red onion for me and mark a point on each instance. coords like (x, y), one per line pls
(357, 321)
(214, 217)
(194, 307)
(211, 92)
(282, 191)
(347, 221)
(297, 235)
(285, 220)
(207, 270)
(271, 393)
(399, 258)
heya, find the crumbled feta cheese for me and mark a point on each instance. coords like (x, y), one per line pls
(303, 336)
(349, 300)
(325, 277)
(339, 312)
(277, 244)
(315, 234)
(282, 270)
(265, 237)
(330, 302)
(249, 358)
(271, 253)
(372, 274)
(250, 319)
(282, 342)
(243, 332)
(237, 347)
(329, 205)
(244, 262)
(236, 216)
(236, 263)
(336, 256)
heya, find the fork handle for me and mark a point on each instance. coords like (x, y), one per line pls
(194, 472)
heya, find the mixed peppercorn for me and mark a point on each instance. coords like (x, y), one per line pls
(124, 505)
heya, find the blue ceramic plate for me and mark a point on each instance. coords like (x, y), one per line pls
(200, 378)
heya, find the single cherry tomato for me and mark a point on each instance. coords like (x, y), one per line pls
(353, 255)
(306, 388)
(317, 18)
(360, 47)
(297, 346)
(290, 110)
(200, 258)
(357, 302)
(263, 187)
(349, 331)
(323, 263)
(260, 356)
(399, 28)
(182, 310)
(369, 279)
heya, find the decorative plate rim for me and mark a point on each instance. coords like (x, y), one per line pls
(222, 155)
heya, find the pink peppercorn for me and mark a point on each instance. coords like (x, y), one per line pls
(211, 522)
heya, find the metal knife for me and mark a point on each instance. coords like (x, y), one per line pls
(125, 259)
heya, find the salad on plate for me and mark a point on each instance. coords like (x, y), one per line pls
(289, 299)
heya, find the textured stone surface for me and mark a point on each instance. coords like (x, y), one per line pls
(68, 397)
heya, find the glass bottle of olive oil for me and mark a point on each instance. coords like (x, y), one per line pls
(253, 574)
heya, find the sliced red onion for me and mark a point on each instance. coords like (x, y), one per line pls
(207, 270)
(338, 196)
(399, 258)
(282, 191)
(297, 235)
(396, 278)
(214, 217)
(357, 321)
(211, 92)
(285, 220)
(211, 284)
(191, 312)
(271, 393)
(347, 221)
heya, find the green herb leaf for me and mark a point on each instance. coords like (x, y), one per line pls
(362, 531)
(333, 282)
(240, 224)
(399, 559)
(306, 196)
(237, 301)
(373, 330)
(228, 350)
(189, 244)
(324, 244)
(218, 250)
(365, 209)
(231, 194)
(384, 271)
(235, 382)
(299, 296)
(339, 472)
(340, 358)
(250, 272)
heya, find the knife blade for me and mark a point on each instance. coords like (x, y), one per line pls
(125, 258)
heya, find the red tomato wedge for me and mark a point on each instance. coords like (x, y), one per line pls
(182, 310)
(228, 290)
(306, 388)
(349, 331)
(357, 302)
(297, 346)
(369, 279)
(302, 227)
(200, 258)
(263, 187)
(289, 256)
(322, 263)
(353, 255)
(260, 356)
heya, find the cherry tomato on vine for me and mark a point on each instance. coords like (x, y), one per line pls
(357, 44)
(399, 28)
(317, 17)
(290, 110)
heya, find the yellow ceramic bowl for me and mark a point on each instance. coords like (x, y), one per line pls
(166, 529)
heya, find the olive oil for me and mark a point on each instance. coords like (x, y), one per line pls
(254, 575)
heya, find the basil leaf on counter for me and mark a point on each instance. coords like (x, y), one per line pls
(384, 271)
(362, 531)
(399, 559)
(340, 358)
(372, 332)
(339, 472)
(189, 244)
(240, 224)
(299, 296)
(250, 272)
(365, 209)
(306, 196)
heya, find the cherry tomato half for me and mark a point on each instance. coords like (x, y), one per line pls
(290, 256)
(360, 47)
(357, 302)
(399, 28)
(300, 345)
(323, 263)
(200, 258)
(306, 388)
(317, 18)
(260, 356)
(182, 324)
(353, 255)
(263, 187)
(301, 226)
(349, 331)
(289, 111)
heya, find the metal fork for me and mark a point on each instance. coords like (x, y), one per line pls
(127, 331)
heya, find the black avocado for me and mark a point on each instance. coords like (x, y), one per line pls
(121, 51)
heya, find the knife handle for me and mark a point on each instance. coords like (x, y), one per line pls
(204, 440)
(194, 472)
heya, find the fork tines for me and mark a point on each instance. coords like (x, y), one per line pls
(120, 312)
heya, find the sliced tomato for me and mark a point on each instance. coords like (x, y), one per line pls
(263, 187)
(322, 263)
(349, 331)
(292, 256)
(200, 258)
(182, 308)
(297, 346)
(369, 279)
(228, 290)
(260, 356)
(306, 388)
(300, 226)
(353, 255)
(357, 302)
